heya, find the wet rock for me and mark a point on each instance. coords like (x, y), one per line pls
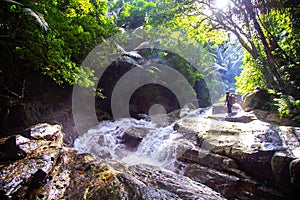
(130, 142)
(151, 182)
(46, 132)
(187, 110)
(240, 116)
(51, 171)
(294, 169)
(221, 182)
(223, 175)
(231, 186)
(208, 159)
(137, 132)
(220, 108)
(262, 150)
(237, 115)
(280, 165)
(19, 178)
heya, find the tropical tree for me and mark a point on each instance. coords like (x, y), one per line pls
(267, 30)
(263, 29)
(131, 14)
(70, 30)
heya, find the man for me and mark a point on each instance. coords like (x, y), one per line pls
(228, 102)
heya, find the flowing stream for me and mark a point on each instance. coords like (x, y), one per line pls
(136, 141)
(151, 142)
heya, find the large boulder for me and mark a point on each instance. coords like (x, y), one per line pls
(255, 100)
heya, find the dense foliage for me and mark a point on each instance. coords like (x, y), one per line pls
(52, 37)
(131, 14)
(267, 30)
(277, 58)
(189, 36)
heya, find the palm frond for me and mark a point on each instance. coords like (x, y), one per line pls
(13, 2)
(120, 49)
(38, 16)
(132, 54)
(130, 60)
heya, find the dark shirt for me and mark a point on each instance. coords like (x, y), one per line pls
(227, 100)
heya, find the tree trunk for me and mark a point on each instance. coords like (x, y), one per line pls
(278, 83)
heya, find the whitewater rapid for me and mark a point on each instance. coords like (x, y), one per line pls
(159, 145)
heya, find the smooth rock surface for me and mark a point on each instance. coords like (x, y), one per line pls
(245, 155)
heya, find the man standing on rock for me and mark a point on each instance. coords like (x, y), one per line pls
(228, 103)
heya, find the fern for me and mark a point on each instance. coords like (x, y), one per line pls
(288, 106)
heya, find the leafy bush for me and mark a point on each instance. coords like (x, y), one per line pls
(73, 29)
(288, 106)
(250, 78)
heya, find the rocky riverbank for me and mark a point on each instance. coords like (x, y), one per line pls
(236, 157)
(242, 157)
(38, 166)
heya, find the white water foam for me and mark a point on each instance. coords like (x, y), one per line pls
(159, 145)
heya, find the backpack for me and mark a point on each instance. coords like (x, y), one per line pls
(232, 99)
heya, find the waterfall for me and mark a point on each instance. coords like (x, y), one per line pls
(160, 148)
(157, 145)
